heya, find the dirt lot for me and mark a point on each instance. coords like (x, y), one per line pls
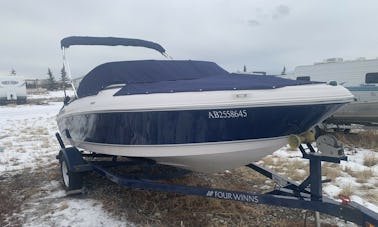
(143, 207)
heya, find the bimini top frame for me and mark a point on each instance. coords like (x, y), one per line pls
(109, 41)
(104, 41)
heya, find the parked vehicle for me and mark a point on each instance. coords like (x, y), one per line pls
(360, 76)
(12, 89)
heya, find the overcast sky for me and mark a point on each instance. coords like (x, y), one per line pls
(263, 35)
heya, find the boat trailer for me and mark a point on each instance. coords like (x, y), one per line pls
(307, 195)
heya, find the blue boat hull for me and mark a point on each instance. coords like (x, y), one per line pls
(192, 126)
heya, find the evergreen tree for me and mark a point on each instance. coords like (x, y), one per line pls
(13, 72)
(51, 85)
(245, 68)
(63, 78)
(283, 71)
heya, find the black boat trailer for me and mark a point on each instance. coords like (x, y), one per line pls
(307, 195)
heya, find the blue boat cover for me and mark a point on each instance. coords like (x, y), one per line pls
(154, 76)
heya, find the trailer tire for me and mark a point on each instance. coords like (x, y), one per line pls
(71, 180)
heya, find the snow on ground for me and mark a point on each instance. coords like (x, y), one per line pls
(27, 141)
(352, 175)
(65, 211)
(27, 135)
(50, 94)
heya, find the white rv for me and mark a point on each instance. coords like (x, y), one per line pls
(12, 89)
(360, 76)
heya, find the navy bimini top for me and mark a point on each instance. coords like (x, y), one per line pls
(166, 76)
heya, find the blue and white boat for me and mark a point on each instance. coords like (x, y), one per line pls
(189, 114)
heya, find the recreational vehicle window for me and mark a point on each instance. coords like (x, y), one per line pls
(305, 78)
(371, 78)
(12, 82)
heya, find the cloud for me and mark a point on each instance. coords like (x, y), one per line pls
(253, 23)
(264, 35)
(281, 11)
(264, 17)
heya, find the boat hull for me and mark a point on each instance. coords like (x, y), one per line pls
(203, 157)
(205, 140)
(200, 131)
(192, 126)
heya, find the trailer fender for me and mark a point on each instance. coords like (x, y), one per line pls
(74, 160)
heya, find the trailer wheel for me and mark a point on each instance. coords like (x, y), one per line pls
(71, 180)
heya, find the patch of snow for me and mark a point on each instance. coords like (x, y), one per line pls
(27, 141)
(57, 209)
(332, 190)
(301, 171)
(364, 203)
(27, 135)
(53, 190)
(355, 163)
(359, 154)
(51, 94)
(285, 152)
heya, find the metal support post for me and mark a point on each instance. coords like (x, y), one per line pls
(316, 178)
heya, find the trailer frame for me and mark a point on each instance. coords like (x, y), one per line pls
(306, 195)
